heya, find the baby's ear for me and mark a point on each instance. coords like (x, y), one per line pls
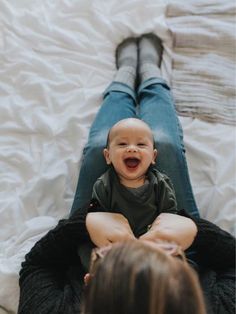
(106, 154)
(155, 153)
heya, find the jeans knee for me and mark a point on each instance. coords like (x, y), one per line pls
(93, 151)
(96, 143)
(168, 150)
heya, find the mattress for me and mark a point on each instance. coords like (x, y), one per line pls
(56, 59)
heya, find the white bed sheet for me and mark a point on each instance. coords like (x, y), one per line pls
(56, 59)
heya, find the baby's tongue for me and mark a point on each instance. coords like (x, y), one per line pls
(131, 162)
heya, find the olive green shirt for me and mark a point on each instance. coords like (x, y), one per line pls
(139, 205)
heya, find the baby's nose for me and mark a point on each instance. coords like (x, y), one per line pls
(132, 148)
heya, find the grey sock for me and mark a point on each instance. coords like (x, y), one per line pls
(126, 61)
(150, 56)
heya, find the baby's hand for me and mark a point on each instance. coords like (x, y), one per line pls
(172, 228)
(106, 228)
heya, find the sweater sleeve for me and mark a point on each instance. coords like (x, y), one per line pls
(215, 247)
(46, 282)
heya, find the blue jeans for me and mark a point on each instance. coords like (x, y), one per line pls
(154, 105)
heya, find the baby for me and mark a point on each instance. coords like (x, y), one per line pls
(132, 186)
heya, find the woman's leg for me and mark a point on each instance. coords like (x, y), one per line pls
(119, 103)
(158, 110)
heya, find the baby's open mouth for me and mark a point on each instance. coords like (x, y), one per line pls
(131, 162)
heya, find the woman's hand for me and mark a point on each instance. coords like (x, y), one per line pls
(106, 228)
(172, 228)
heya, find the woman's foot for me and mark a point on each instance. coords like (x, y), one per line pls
(150, 56)
(150, 49)
(127, 61)
(127, 53)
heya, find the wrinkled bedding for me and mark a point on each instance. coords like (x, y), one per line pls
(56, 58)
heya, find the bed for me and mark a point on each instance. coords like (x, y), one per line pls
(56, 59)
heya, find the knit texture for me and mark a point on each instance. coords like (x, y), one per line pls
(51, 280)
(150, 57)
(215, 249)
(126, 62)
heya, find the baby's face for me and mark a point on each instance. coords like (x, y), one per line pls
(131, 151)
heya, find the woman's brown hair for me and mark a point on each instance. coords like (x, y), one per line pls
(135, 278)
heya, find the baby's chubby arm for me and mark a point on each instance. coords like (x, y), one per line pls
(106, 228)
(172, 228)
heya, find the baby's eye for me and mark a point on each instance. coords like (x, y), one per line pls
(122, 144)
(141, 144)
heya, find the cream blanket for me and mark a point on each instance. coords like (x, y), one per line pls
(204, 55)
